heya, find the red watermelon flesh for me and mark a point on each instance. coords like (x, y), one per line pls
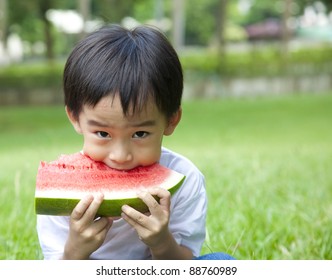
(62, 183)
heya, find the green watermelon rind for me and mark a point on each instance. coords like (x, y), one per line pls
(108, 208)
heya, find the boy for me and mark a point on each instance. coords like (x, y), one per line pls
(123, 92)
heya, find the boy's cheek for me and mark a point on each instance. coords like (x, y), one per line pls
(93, 152)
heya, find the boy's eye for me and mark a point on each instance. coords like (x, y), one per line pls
(102, 134)
(140, 134)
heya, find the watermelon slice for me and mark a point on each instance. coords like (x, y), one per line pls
(61, 184)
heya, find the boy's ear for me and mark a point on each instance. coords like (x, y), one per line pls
(173, 122)
(74, 121)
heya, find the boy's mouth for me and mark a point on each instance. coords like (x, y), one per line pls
(124, 168)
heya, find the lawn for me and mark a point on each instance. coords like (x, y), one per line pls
(267, 163)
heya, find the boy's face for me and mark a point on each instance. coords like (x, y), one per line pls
(123, 142)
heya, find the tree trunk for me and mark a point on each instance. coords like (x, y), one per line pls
(285, 35)
(221, 26)
(3, 21)
(178, 24)
(44, 6)
(158, 10)
(84, 9)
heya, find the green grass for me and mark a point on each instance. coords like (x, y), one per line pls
(267, 164)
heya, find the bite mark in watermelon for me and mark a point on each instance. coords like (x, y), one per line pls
(61, 184)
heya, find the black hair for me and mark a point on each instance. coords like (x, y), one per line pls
(137, 64)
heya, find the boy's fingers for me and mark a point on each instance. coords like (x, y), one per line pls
(81, 207)
(87, 208)
(149, 201)
(91, 212)
(133, 217)
(164, 197)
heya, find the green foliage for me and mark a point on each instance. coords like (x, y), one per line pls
(200, 22)
(143, 10)
(267, 62)
(112, 11)
(260, 10)
(31, 76)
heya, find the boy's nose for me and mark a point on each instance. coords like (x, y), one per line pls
(120, 154)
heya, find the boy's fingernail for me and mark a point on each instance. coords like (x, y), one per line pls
(100, 197)
(141, 193)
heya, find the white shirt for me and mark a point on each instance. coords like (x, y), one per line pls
(187, 220)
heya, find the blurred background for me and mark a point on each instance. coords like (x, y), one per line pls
(227, 48)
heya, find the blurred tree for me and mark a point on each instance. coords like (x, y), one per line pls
(221, 24)
(22, 19)
(197, 23)
(304, 3)
(113, 11)
(3, 21)
(200, 21)
(221, 28)
(44, 6)
(328, 4)
(28, 19)
(84, 8)
(158, 9)
(282, 11)
(208, 21)
(178, 23)
(262, 9)
(285, 31)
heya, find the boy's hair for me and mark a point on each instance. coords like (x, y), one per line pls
(137, 64)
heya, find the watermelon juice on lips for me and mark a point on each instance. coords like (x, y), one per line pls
(61, 184)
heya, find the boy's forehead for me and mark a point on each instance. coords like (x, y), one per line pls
(111, 105)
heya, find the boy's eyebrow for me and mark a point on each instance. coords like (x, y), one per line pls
(96, 123)
(144, 123)
(134, 124)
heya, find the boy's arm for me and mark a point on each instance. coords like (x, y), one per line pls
(169, 249)
(152, 229)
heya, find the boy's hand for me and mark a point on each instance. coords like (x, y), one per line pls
(86, 233)
(151, 228)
